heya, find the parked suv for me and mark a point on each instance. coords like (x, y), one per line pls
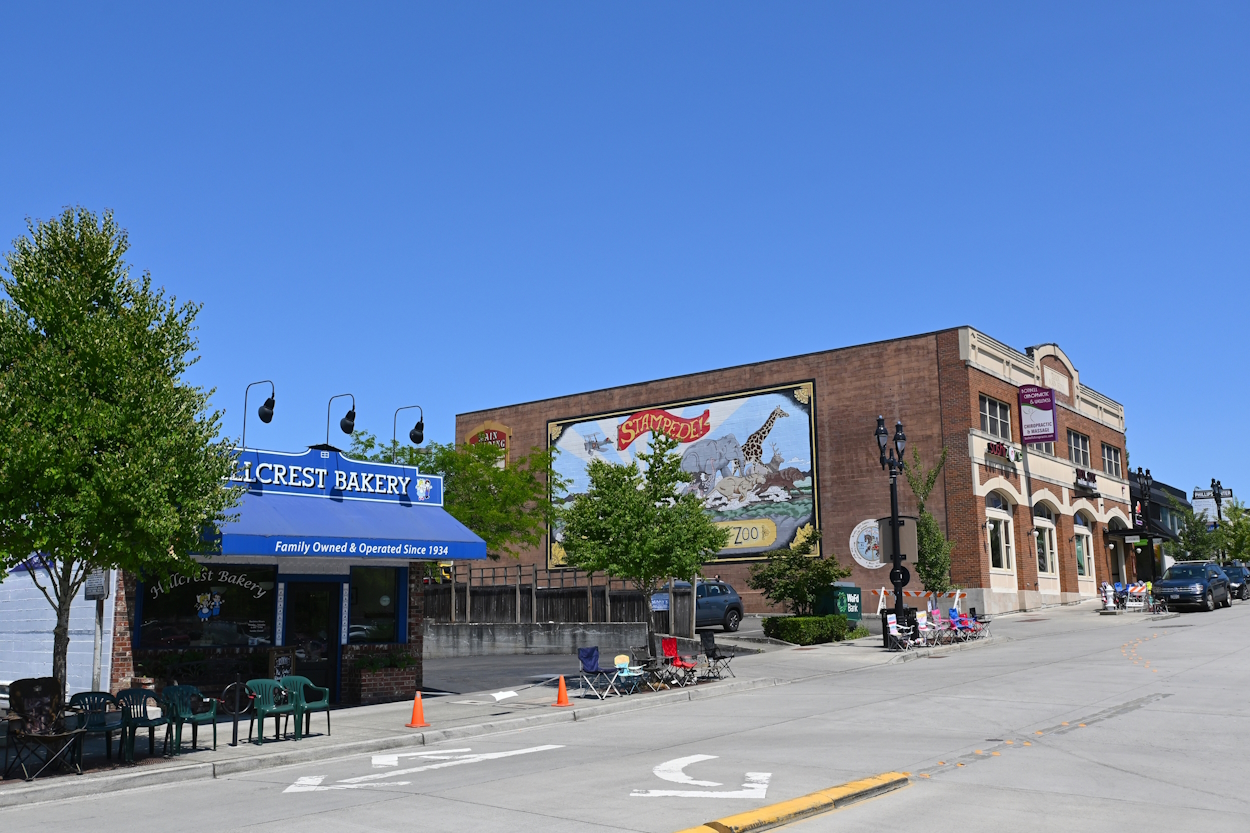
(1194, 583)
(718, 604)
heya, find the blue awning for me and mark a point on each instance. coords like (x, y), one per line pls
(295, 525)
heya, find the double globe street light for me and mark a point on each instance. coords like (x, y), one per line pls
(899, 575)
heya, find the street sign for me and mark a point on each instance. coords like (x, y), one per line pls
(900, 576)
(96, 586)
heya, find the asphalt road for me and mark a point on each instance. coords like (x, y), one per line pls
(1079, 722)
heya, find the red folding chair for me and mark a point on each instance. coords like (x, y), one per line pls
(682, 670)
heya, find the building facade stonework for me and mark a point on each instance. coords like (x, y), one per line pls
(992, 492)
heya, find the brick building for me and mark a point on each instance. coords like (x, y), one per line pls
(1029, 524)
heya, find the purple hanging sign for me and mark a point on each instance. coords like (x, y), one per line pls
(1037, 414)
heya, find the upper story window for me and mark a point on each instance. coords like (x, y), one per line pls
(1111, 460)
(1078, 449)
(995, 501)
(1045, 448)
(996, 418)
(1043, 511)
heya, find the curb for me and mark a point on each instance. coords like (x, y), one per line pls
(823, 801)
(83, 785)
(943, 650)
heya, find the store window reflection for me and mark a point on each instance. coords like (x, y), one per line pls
(219, 606)
(374, 605)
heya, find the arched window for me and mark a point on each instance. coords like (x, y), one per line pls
(1084, 544)
(1044, 525)
(998, 526)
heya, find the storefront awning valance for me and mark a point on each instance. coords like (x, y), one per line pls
(322, 504)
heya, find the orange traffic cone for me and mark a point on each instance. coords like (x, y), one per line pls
(418, 714)
(562, 699)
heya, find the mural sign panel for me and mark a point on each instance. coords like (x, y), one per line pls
(751, 457)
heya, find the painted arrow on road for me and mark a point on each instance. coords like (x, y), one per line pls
(444, 758)
(756, 785)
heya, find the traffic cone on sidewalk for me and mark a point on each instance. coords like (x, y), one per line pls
(418, 714)
(562, 699)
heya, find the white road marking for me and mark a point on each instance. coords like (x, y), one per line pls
(312, 784)
(457, 761)
(756, 786)
(380, 761)
(672, 771)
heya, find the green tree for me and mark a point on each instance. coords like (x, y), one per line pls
(794, 577)
(632, 523)
(1196, 542)
(933, 562)
(508, 506)
(108, 459)
(1234, 532)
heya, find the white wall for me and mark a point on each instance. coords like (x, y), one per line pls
(26, 623)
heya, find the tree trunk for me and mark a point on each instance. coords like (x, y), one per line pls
(64, 594)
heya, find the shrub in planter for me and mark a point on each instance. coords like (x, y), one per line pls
(807, 630)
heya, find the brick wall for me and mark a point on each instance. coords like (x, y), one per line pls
(965, 513)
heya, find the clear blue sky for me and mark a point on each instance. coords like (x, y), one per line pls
(472, 205)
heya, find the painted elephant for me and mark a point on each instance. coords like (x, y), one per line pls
(708, 456)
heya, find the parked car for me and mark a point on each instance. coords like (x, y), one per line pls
(1237, 581)
(1194, 583)
(718, 604)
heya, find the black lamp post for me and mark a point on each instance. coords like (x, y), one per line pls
(265, 411)
(417, 434)
(898, 575)
(348, 423)
(1144, 484)
(1216, 489)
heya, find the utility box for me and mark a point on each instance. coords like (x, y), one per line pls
(906, 538)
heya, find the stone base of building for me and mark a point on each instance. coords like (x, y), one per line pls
(994, 602)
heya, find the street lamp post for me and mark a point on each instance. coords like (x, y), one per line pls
(898, 575)
(1216, 489)
(1145, 483)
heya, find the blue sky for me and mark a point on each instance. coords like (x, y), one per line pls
(466, 205)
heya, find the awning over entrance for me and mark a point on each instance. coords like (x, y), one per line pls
(322, 504)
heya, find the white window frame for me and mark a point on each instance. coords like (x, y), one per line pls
(1083, 537)
(1002, 524)
(1073, 448)
(1045, 544)
(1111, 463)
(1000, 413)
(1043, 448)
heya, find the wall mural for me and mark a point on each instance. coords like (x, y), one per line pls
(751, 457)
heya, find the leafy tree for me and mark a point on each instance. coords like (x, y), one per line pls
(108, 459)
(509, 507)
(794, 577)
(933, 562)
(1234, 532)
(1197, 543)
(632, 524)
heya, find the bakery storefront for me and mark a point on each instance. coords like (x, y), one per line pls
(322, 563)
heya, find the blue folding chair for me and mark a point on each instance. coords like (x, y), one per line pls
(602, 681)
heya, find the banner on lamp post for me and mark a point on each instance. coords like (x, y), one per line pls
(1037, 414)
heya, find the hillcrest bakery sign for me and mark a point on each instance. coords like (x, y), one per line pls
(1037, 414)
(325, 473)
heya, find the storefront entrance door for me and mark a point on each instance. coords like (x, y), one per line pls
(312, 629)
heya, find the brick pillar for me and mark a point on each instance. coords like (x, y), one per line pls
(1065, 530)
(122, 666)
(1026, 548)
(965, 512)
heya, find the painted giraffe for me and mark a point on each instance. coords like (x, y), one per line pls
(753, 448)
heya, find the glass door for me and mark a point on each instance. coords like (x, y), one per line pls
(312, 629)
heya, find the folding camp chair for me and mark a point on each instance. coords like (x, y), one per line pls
(628, 677)
(717, 660)
(601, 681)
(681, 670)
(38, 736)
(651, 666)
(900, 635)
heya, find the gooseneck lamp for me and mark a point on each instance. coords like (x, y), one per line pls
(348, 423)
(417, 434)
(265, 411)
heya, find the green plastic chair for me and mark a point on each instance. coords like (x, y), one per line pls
(181, 701)
(269, 699)
(98, 716)
(299, 689)
(133, 703)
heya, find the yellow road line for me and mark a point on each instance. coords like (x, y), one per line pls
(813, 804)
